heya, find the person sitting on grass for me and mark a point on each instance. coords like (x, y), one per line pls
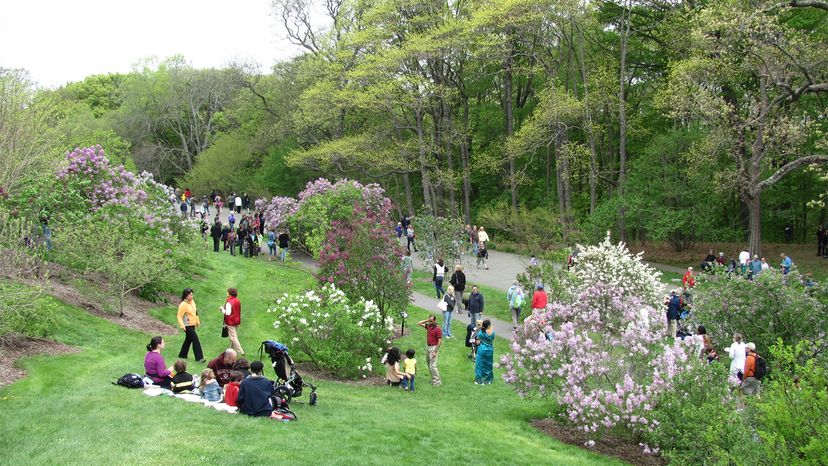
(182, 381)
(243, 366)
(231, 391)
(209, 386)
(255, 392)
(154, 363)
(410, 370)
(223, 365)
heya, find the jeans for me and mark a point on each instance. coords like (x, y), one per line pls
(271, 250)
(283, 254)
(515, 316)
(474, 317)
(407, 383)
(447, 323)
(438, 285)
(191, 337)
(233, 247)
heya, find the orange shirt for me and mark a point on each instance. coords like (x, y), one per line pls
(750, 366)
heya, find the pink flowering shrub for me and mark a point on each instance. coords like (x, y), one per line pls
(603, 358)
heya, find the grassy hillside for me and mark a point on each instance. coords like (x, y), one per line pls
(66, 410)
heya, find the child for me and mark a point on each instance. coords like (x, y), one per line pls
(243, 367)
(231, 391)
(182, 381)
(410, 370)
(209, 386)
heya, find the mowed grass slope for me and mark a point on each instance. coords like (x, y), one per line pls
(66, 410)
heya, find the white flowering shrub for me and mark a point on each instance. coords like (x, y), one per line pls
(614, 266)
(339, 336)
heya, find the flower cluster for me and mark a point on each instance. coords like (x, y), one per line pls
(110, 185)
(277, 211)
(337, 334)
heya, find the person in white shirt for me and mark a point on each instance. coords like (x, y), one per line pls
(482, 236)
(744, 258)
(736, 351)
(238, 203)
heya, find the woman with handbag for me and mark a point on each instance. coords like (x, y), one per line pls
(232, 319)
(188, 321)
(446, 305)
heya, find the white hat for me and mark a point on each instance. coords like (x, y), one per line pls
(752, 346)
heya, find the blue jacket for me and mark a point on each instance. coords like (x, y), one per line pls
(674, 308)
(756, 266)
(475, 303)
(254, 396)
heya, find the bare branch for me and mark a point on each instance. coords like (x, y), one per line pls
(790, 167)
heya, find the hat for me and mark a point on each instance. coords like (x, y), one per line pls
(256, 366)
(755, 256)
(539, 286)
(752, 346)
(689, 268)
(672, 291)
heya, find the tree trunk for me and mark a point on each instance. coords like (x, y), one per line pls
(464, 161)
(450, 160)
(622, 117)
(593, 170)
(409, 200)
(754, 207)
(426, 181)
(508, 109)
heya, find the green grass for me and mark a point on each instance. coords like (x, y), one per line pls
(67, 411)
(494, 298)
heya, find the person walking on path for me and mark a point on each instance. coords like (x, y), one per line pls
(238, 204)
(438, 277)
(411, 238)
(284, 242)
(514, 296)
(271, 244)
(485, 355)
(215, 233)
(458, 281)
(482, 236)
(231, 241)
(482, 255)
(232, 319)
(246, 202)
(539, 299)
(476, 304)
(451, 303)
(673, 312)
(434, 338)
(407, 266)
(188, 321)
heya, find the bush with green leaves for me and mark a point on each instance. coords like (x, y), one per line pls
(439, 237)
(338, 335)
(539, 228)
(772, 306)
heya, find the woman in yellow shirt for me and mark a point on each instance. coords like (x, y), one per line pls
(188, 321)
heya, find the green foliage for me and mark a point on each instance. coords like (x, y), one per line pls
(439, 237)
(24, 312)
(699, 421)
(538, 227)
(312, 221)
(228, 165)
(770, 307)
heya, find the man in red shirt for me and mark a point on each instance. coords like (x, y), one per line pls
(434, 337)
(689, 280)
(232, 318)
(539, 299)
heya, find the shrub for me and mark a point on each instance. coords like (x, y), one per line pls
(539, 228)
(24, 312)
(769, 308)
(439, 237)
(602, 358)
(338, 335)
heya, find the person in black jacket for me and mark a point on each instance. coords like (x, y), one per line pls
(255, 392)
(215, 233)
(475, 305)
(673, 312)
(458, 281)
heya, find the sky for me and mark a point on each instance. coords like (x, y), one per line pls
(62, 41)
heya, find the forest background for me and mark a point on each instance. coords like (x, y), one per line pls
(548, 121)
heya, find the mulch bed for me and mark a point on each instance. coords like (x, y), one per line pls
(618, 447)
(23, 347)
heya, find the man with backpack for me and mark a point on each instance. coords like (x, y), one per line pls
(514, 295)
(755, 370)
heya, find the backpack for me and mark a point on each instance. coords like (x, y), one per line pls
(130, 381)
(517, 302)
(760, 369)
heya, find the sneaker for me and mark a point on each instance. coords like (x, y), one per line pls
(202, 361)
(475, 382)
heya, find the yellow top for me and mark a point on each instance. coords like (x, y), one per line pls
(410, 366)
(187, 315)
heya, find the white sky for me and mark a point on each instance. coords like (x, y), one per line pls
(60, 41)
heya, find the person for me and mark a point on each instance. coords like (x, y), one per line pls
(673, 312)
(154, 364)
(483, 237)
(182, 381)
(688, 280)
(410, 237)
(231, 241)
(451, 303)
(786, 263)
(709, 260)
(218, 203)
(751, 385)
(209, 386)
(755, 267)
(721, 259)
(255, 392)
(238, 202)
(246, 202)
(271, 244)
(188, 321)
(231, 391)
(476, 304)
(242, 366)
(765, 265)
(825, 244)
(183, 208)
(405, 221)
(736, 351)
(410, 370)
(407, 266)
(434, 338)
(438, 277)
(284, 241)
(215, 233)
(514, 296)
(474, 239)
(393, 375)
(705, 344)
(232, 318)
(223, 365)
(482, 255)
(744, 257)
(399, 230)
(820, 236)
(458, 281)
(485, 354)
(539, 299)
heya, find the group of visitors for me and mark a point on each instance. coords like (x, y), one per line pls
(188, 320)
(746, 264)
(248, 236)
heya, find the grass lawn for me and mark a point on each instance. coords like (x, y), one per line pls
(67, 411)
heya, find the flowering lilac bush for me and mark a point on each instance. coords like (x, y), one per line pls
(338, 335)
(603, 358)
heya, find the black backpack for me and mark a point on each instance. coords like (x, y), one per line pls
(130, 381)
(760, 369)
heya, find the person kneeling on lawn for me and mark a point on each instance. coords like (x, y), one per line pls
(255, 392)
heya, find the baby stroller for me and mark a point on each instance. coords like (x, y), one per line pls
(289, 383)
